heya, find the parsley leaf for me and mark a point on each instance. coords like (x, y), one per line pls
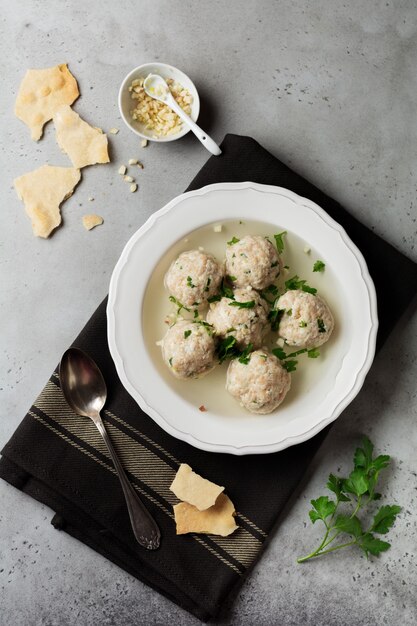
(321, 326)
(279, 241)
(296, 283)
(372, 545)
(233, 241)
(303, 324)
(243, 305)
(319, 266)
(274, 317)
(313, 353)
(190, 282)
(245, 356)
(179, 304)
(290, 366)
(385, 518)
(322, 509)
(357, 490)
(279, 353)
(227, 348)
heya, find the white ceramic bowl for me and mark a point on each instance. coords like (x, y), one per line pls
(336, 377)
(126, 104)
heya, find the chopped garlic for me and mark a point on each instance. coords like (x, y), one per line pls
(144, 143)
(128, 179)
(133, 161)
(160, 342)
(114, 131)
(91, 199)
(122, 170)
(307, 250)
(280, 342)
(201, 248)
(218, 228)
(133, 187)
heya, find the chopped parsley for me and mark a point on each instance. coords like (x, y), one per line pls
(233, 241)
(289, 312)
(187, 333)
(279, 241)
(227, 348)
(243, 305)
(195, 314)
(231, 278)
(179, 304)
(279, 353)
(190, 282)
(312, 353)
(170, 362)
(274, 264)
(290, 366)
(321, 326)
(215, 298)
(274, 317)
(296, 283)
(206, 288)
(303, 324)
(245, 355)
(319, 266)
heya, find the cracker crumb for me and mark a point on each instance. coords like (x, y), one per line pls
(122, 170)
(114, 131)
(144, 143)
(91, 199)
(140, 165)
(133, 161)
(128, 179)
(91, 221)
(133, 188)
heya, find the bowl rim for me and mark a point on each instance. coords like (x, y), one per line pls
(247, 448)
(130, 76)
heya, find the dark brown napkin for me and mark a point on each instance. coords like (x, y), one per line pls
(69, 468)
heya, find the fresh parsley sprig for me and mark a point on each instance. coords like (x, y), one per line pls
(358, 490)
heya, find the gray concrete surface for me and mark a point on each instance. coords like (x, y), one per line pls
(331, 89)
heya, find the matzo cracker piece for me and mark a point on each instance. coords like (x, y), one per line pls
(42, 191)
(194, 489)
(90, 221)
(84, 144)
(217, 520)
(41, 93)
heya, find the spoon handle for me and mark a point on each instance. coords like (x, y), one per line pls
(202, 136)
(144, 526)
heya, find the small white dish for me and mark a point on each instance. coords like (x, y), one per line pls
(126, 103)
(337, 375)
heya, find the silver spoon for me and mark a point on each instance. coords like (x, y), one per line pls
(156, 87)
(84, 389)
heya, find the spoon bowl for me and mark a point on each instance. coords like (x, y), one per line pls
(82, 383)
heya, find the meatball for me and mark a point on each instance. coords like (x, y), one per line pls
(252, 261)
(261, 384)
(188, 349)
(248, 323)
(306, 319)
(193, 278)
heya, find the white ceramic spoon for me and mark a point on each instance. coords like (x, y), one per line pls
(156, 87)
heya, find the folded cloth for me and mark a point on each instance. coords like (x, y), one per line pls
(59, 458)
